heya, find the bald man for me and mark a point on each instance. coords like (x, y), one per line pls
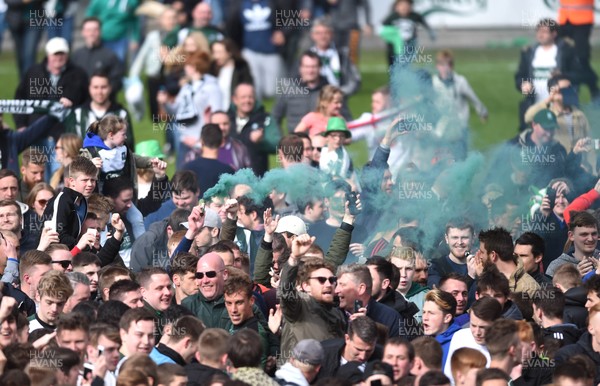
(208, 304)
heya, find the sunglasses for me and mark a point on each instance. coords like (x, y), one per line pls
(63, 263)
(209, 274)
(323, 279)
(42, 202)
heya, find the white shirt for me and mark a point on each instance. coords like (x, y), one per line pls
(225, 78)
(544, 62)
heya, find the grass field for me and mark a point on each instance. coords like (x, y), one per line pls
(489, 71)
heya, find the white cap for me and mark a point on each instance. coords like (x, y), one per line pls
(56, 45)
(292, 224)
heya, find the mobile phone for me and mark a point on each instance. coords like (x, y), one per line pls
(87, 370)
(92, 231)
(50, 225)
(376, 382)
(100, 349)
(357, 305)
(570, 97)
(551, 193)
(351, 198)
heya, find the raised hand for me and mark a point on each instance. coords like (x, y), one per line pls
(231, 208)
(48, 237)
(301, 244)
(195, 221)
(270, 222)
(275, 319)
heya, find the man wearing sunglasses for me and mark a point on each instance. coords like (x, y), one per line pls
(209, 304)
(61, 257)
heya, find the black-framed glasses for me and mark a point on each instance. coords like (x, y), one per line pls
(63, 263)
(323, 279)
(209, 274)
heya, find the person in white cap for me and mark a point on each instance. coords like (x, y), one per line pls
(56, 78)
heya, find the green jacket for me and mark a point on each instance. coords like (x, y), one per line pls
(118, 18)
(212, 313)
(336, 254)
(305, 318)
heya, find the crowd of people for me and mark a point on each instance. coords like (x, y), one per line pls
(269, 257)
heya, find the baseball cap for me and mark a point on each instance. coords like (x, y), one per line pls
(56, 45)
(292, 224)
(211, 219)
(547, 119)
(309, 351)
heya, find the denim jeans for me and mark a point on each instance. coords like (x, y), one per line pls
(119, 47)
(26, 44)
(64, 30)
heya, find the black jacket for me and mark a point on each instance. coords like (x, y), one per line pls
(101, 59)
(24, 303)
(68, 223)
(36, 84)
(199, 374)
(583, 346)
(565, 333)
(333, 349)
(566, 62)
(575, 311)
(259, 152)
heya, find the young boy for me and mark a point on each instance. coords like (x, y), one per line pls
(53, 291)
(335, 160)
(68, 209)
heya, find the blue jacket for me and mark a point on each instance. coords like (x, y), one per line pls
(159, 358)
(444, 339)
(385, 315)
(163, 212)
(13, 142)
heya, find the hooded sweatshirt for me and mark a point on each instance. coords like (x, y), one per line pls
(445, 338)
(289, 375)
(563, 259)
(583, 346)
(566, 333)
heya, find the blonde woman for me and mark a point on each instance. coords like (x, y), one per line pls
(329, 105)
(66, 149)
(33, 221)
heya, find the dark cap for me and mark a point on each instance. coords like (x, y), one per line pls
(547, 119)
(309, 351)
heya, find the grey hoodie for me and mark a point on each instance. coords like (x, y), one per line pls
(563, 259)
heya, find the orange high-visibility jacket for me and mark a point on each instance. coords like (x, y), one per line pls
(578, 12)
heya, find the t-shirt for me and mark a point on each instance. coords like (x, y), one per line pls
(544, 62)
(256, 19)
(208, 172)
(315, 122)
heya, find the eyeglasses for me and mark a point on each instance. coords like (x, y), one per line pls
(323, 279)
(209, 274)
(42, 202)
(63, 263)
